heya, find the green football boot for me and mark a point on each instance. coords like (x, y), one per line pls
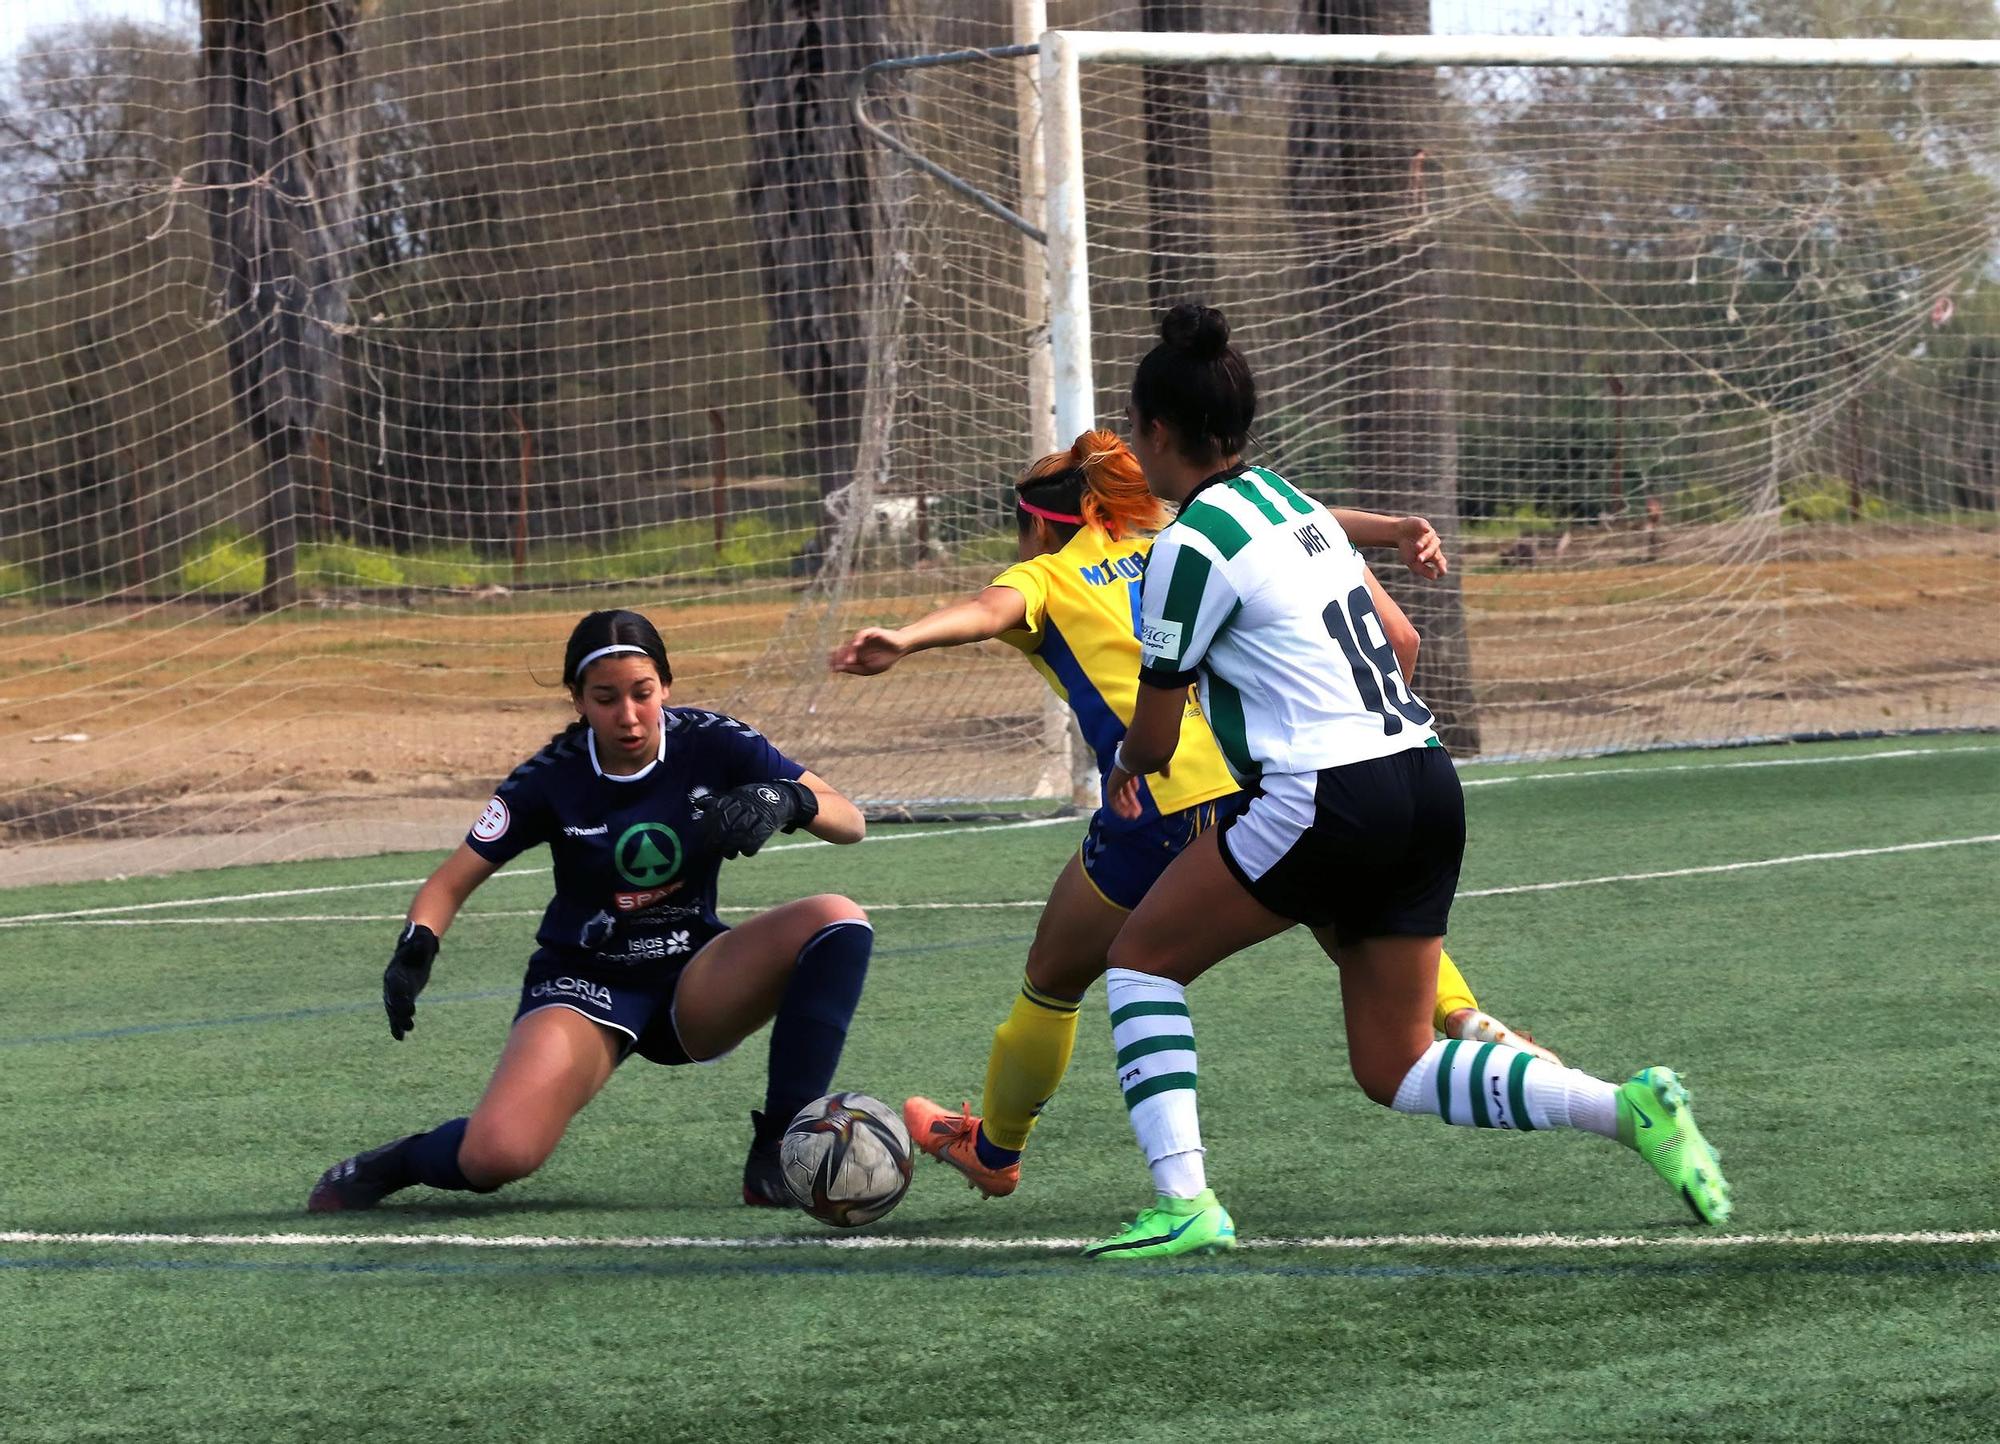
(1172, 1226)
(1654, 1118)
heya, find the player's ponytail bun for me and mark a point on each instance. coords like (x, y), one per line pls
(1097, 482)
(1202, 332)
(1198, 384)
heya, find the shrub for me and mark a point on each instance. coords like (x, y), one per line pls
(226, 561)
(347, 564)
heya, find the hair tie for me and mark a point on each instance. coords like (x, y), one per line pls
(1046, 515)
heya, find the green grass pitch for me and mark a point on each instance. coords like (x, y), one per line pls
(188, 1070)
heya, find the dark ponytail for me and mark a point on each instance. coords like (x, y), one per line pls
(1198, 384)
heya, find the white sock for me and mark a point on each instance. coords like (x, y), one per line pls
(1154, 1036)
(1489, 1085)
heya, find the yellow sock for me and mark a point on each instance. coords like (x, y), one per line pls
(1030, 1055)
(1453, 991)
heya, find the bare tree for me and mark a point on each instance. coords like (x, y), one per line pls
(1179, 178)
(1356, 160)
(808, 195)
(277, 177)
(82, 138)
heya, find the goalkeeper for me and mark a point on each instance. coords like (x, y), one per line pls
(639, 803)
(1071, 606)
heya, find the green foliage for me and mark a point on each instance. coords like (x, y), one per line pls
(331, 565)
(754, 544)
(1819, 498)
(1701, 501)
(443, 568)
(751, 546)
(225, 562)
(1521, 519)
(17, 582)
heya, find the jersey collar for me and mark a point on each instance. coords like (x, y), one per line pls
(1226, 474)
(590, 738)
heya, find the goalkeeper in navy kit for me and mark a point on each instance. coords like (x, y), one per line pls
(639, 804)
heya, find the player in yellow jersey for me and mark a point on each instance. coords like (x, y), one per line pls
(1071, 606)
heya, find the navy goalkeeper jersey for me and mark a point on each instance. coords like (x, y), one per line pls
(634, 882)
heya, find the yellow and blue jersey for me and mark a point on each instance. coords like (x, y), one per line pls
(1082, 635)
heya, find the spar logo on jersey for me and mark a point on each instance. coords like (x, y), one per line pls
(647, 855)
(492, 824)
(573, 990)
(1161, 639)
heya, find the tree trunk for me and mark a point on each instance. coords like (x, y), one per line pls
(277, 179)
(808, 194)
(1179, 181)
(1356, 165)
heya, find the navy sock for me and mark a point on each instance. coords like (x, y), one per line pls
(992, 1154)
(432, 1158)
(811, 1026)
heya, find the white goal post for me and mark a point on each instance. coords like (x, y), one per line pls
(1063, 54)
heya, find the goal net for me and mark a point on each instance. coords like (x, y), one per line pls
(327, 405)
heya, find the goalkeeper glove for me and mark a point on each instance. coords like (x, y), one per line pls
(409, 969)
(742, 819)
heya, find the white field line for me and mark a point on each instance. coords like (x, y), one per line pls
(1526, 1242)
(1710, 869)
(506, 874)
(206, 918)
(1720, 766)
(1720, 867)
(525, 872)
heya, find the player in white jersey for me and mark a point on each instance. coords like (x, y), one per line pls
(1355, 828)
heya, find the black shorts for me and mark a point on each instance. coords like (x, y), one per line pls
(1371, 849)
(635, 1001)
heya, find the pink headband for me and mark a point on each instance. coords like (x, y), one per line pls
(1046, 515)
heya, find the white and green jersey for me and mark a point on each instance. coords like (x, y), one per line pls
(1255, 592)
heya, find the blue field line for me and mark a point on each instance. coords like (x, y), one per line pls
(292, 1015)
(1054, 1268)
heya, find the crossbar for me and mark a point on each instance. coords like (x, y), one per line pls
(1134, 47)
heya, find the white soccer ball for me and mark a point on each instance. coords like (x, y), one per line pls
(846, 1159)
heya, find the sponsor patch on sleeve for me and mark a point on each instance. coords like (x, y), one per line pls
(492, 824)
(1161, 640)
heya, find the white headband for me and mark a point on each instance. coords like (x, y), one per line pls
(584, 665)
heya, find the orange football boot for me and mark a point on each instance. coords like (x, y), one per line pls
(949, 1138)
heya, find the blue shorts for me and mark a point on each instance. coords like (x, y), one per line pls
(1123, 859)
(637, 1003)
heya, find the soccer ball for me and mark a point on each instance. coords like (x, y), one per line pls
(846, 1159)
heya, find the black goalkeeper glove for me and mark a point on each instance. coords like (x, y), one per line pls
(742, 819)
(409, 969)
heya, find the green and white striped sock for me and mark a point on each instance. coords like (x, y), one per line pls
(1489, 1085)
(1154, 1036)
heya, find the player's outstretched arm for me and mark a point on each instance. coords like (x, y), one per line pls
(1413, 536)
(874, 650)
(444, 892)
(437, 902)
